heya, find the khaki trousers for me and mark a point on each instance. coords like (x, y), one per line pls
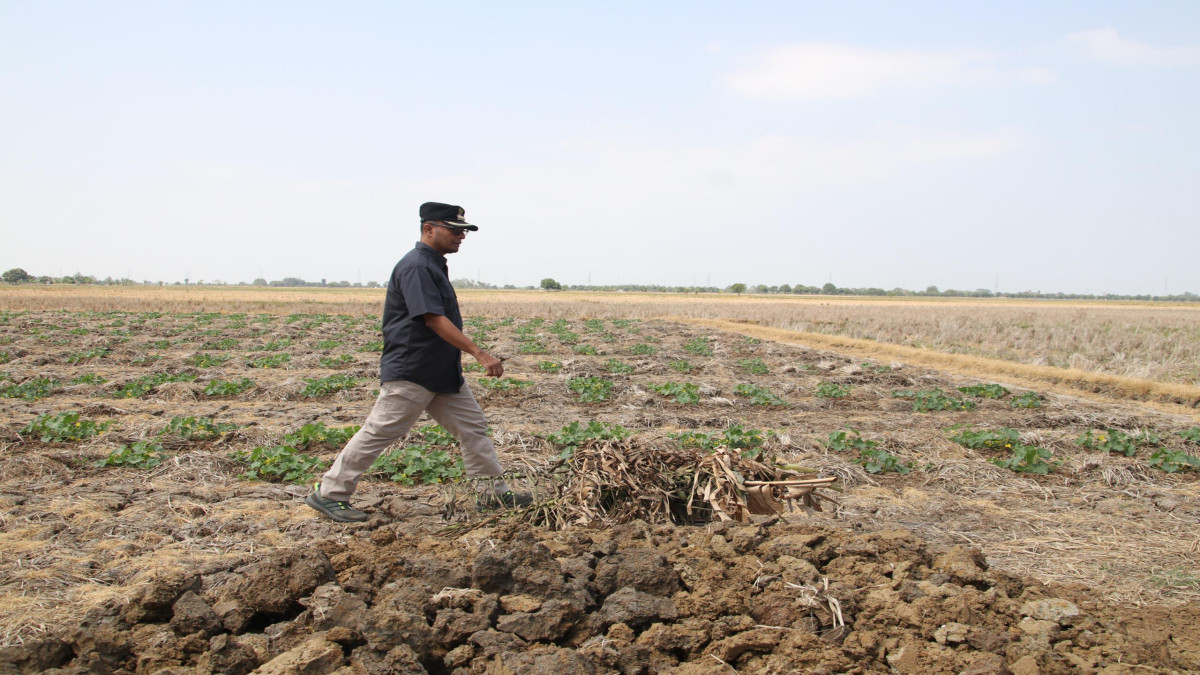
(398, 407)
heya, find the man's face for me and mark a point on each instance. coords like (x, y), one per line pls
(445, 238)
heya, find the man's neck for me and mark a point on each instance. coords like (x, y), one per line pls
(432, 247)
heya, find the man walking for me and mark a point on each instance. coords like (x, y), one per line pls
(421, 370)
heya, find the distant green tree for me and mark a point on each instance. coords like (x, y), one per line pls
(259, 282)
(738, 288)
(15, 276)
(785, 288)
(829, 289)
(932, 290)
(549, 284)
(470, 283)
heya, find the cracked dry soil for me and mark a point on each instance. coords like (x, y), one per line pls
(769, 596)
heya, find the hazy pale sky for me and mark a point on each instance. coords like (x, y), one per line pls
(1052, 145)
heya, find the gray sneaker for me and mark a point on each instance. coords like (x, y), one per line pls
(508, 500)
(339, 511)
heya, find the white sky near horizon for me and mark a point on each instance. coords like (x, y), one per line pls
(962, 144)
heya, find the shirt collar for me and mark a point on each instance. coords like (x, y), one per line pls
(426, 248)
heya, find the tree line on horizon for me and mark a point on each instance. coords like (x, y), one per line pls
(20, 276)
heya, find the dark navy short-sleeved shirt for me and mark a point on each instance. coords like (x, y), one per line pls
(420, 285)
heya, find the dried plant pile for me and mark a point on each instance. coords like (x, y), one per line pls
(614, 482)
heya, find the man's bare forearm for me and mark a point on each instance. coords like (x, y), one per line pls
(446, 330)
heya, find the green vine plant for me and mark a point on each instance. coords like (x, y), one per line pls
(684, 393)
(570, 437)
(64, 427)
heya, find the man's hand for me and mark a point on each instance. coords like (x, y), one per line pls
(493, 365)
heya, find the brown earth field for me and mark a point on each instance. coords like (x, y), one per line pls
(138, 546)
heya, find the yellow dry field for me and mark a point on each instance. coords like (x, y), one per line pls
(1141, 351)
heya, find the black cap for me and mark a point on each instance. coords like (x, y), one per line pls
(446, 213)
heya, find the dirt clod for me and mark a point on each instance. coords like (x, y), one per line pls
(1051, 609)
(191, 614)
(316, 656)
(641, 569)
(274, 586)
(36, 656)
(228, 654)
(548, 624)
(153, 601)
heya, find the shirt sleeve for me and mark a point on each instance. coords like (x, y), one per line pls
(420, 293)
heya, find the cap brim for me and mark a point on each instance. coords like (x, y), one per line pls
(464, 226)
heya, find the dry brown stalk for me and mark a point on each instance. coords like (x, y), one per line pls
(621, 481)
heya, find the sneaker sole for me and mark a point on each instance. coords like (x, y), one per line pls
(500, 506)
(329, 513)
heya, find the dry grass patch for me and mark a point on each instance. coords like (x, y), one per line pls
(1073, 381)
(1057, 534)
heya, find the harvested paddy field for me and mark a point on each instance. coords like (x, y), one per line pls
(1151, 341)
(978, 528)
